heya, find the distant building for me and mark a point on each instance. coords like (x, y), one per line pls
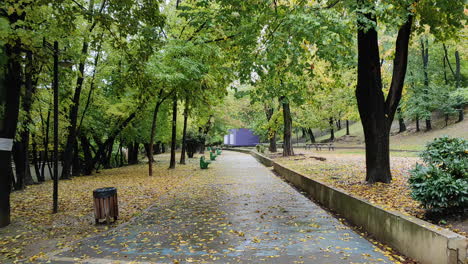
(241, 137)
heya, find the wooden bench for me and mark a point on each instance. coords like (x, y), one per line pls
(319, 146)
(204, 163)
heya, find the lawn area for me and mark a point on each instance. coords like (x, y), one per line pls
(409, 140)
(345, 169)
(35, 230)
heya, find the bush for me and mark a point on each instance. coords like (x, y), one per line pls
(442, 185)
(260, 148)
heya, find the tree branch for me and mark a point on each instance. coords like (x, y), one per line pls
(400, 64)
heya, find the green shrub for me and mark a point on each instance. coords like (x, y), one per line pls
(260, 148)
(442, 184)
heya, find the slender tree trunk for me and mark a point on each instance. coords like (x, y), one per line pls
(311, 135)
(347, 127)
(88, 157)
(23, 145)
(10, 86)
(457, 69)
(401, 121)
(425, 59)
(458, 78)
(376, 112)
(417, 124)
(68, 153)
(184, 132)
(76, 168)
(172, 163)
(338, 124)
(428, 124)
(332, 131)
(153, 133)
(133, 153)
(287, 146)
(271, 132)
(35, 160)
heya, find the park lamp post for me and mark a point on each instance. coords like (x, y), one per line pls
(55, 49)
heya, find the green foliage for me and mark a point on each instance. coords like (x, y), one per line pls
(260, 148)
(442, 185)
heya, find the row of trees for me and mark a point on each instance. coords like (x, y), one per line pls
(127, 68)
(136, 63)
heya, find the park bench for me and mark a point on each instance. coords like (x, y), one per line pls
(204, 163)
(319, 146)
(212, 156)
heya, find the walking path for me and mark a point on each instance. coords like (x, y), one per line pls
(237, 212)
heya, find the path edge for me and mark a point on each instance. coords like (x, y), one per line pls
(415, 238)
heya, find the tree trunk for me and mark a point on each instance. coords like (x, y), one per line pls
(458, 78)
(10, 87)
(184, 132)
(401, 121)
(332, 131)
(425, 59)
(153, 133)
(417, 125)
(133, 153)
(76, 166)
(68, 153)
(269, 111)
(287, 146)
(311, 135)
(402, 126)
(376, 112)
(428, 125)
(88, 158)
(338, 124)
(174, 132)
(35, 160)
(347, 127)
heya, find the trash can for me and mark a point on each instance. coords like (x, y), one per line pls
(105, 204)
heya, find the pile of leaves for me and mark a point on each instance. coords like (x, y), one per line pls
(347, 172)
(35, 230)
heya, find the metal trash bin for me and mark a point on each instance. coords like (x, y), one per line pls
(105, 204)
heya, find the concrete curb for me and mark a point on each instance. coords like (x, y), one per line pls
(415, 238)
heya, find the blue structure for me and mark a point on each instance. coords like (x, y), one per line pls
(241, 137)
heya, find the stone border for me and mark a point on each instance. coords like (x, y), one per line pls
(415, 238)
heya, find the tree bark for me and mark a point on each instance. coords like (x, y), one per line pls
(311, 135)
(458, 79)
(338, 124)
(10, 86)
(88, 158)
(347, 127)
(332, 131)
(35, 160)
(153, 133)
(401, 122)
(22, 148)
(376, 112)
(417, 124)
(287, 146)
(76, 165)
(269, 111)
(184, 132)
(425, 60)
(172, 162)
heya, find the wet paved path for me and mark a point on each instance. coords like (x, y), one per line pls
(237, 212)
